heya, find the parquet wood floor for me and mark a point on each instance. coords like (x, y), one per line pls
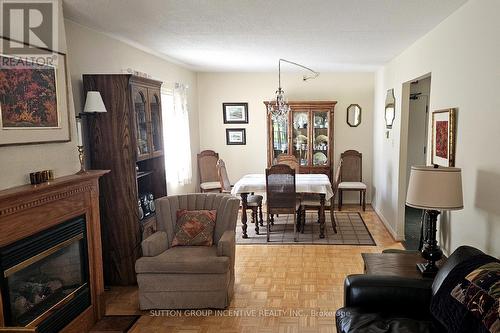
(279, 288)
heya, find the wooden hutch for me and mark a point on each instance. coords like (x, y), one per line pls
(307, 134)
(127, 140)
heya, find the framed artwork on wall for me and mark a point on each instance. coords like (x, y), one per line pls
(235, 113)
(443, 137)
(236, 136)
(33, 100)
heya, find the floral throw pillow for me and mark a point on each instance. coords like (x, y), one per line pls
(194, 227)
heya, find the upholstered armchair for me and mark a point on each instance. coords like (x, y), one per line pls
(189, 277)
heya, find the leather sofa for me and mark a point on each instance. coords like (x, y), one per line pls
(390, 304)
(189, 277)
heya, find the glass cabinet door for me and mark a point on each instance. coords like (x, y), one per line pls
(280, 138)
(154, 104)
(321, 142)
(300, 140)
(141, 123)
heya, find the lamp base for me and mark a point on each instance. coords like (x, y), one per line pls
(428, 269)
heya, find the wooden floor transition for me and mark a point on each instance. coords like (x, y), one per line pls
(279, 288)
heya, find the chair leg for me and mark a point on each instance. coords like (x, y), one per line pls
(332, 217)
(299, 215)
(303, 221)
(364, 200)
(268, 228)
(295, 234)
(340, 200)
(272, 219)
(254, 217)
(261, 220)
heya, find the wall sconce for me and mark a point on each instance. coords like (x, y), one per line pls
(390, 109)
(93, 104)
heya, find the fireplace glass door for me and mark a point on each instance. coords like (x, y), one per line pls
(37, 285)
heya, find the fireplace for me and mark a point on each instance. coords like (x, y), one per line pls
(45, 277)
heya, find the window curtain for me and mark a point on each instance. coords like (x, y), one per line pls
(176, 135)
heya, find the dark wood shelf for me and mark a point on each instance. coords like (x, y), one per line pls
(129, 100)
(141, 174)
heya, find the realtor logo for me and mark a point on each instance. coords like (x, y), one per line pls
(30, 26)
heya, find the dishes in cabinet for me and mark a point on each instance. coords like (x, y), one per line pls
(300, 120)
(321, 139)
(319, 158)
(301, 139)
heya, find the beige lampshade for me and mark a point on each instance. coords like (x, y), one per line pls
(94, 102)
(435, 188)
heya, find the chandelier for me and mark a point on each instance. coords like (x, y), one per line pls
(279, 108)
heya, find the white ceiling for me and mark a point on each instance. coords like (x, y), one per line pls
(251, 35)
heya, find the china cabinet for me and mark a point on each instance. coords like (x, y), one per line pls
(307, 134)
(127, 140)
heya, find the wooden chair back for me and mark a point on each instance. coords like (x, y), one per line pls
(280, 189)
(350, 170)
(336, 180)
(289, 160)
(207, 166)
(223, 178)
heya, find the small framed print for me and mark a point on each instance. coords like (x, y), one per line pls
(235, 113)
(443, 137)
(236, 136)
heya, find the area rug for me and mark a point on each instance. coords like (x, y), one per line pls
(351, 230)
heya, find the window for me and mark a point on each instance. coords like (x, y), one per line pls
(177, 140)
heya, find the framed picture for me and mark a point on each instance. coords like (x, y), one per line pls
(443, 137)
(235, 113)
(33, 100)
(236, 136)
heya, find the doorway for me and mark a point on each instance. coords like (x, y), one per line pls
(418, 123)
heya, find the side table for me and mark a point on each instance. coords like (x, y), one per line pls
(396, 264)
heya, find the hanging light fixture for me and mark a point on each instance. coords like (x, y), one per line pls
(279, 108)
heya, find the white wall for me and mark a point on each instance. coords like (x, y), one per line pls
(16, 162)
(92, 52)
(255, 88)
(463, 56)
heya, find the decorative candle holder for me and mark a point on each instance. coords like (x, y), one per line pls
(81, 157)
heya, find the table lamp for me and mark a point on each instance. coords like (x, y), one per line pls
(434, 189)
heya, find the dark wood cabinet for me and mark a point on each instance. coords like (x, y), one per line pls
(307, 134)
(127, 140)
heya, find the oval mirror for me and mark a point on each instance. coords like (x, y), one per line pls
(354, 115)
(390, 111)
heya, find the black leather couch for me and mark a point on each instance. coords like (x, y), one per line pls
(388, 304)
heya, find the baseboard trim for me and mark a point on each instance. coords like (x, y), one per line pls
(387, 226)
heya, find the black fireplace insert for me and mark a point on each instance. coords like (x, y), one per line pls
(45, 277)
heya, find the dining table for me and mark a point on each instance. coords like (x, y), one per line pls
(304, 183)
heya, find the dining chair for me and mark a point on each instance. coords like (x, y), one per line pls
(311, 201)
(254, 202)
(351, 176)
(289, 160)
(207, 170)
(281, 195)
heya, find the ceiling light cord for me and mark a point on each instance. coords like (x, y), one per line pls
(304, 78)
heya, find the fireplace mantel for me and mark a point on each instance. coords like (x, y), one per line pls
(28, 209)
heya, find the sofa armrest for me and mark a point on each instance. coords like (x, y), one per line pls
(227, 244)
(155, 244)
(388, 294)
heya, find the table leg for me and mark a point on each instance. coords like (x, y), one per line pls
(244, 197)
(322, 216)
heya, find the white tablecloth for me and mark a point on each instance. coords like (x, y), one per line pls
(304, 183)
